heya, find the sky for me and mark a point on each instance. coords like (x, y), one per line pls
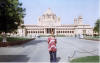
(67, 10)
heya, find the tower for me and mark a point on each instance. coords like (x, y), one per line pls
(75, 21)
(78, 21)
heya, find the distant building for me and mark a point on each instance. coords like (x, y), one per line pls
(49, 22)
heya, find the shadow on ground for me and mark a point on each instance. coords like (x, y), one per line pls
(14, 58)
(58, 59)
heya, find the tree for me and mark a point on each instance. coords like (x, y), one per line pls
(97, 27)
(11, 14)
(22, 26)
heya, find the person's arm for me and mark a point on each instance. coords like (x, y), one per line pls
(56, 41)
(48, 40)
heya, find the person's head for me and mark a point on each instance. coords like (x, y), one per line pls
(52, 34)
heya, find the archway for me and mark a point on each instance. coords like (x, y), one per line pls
(50, 30)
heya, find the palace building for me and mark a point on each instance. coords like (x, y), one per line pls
(49, 22)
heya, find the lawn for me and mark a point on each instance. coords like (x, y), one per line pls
(94, 59)
(92, 38)
(55, 36)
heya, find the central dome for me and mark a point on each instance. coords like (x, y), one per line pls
(49, 19)
(48, 12)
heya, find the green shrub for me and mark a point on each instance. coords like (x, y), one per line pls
(13, 39)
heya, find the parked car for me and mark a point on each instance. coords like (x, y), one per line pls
(38, 36)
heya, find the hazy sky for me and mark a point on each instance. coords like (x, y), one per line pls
(66, 9)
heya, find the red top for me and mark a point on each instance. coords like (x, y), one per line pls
(51, 44)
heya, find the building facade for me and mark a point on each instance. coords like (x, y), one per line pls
(49, 22)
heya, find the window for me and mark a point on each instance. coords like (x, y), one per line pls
(70, 31)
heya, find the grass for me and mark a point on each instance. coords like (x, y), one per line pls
(44, 35)
(10, 39)
(87, 59)
(55, 35)
(93, 38)
(60, 36)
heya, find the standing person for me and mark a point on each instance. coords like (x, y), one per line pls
(52, 47)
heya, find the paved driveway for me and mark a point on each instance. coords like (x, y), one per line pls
(37, 50)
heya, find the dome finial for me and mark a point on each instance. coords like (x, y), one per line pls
(49, 8)
(49, 11)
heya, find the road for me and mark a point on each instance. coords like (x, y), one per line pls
(37, 50)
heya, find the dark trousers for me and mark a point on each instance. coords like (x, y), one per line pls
(52, 56)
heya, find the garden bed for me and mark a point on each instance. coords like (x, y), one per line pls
(16, 42)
